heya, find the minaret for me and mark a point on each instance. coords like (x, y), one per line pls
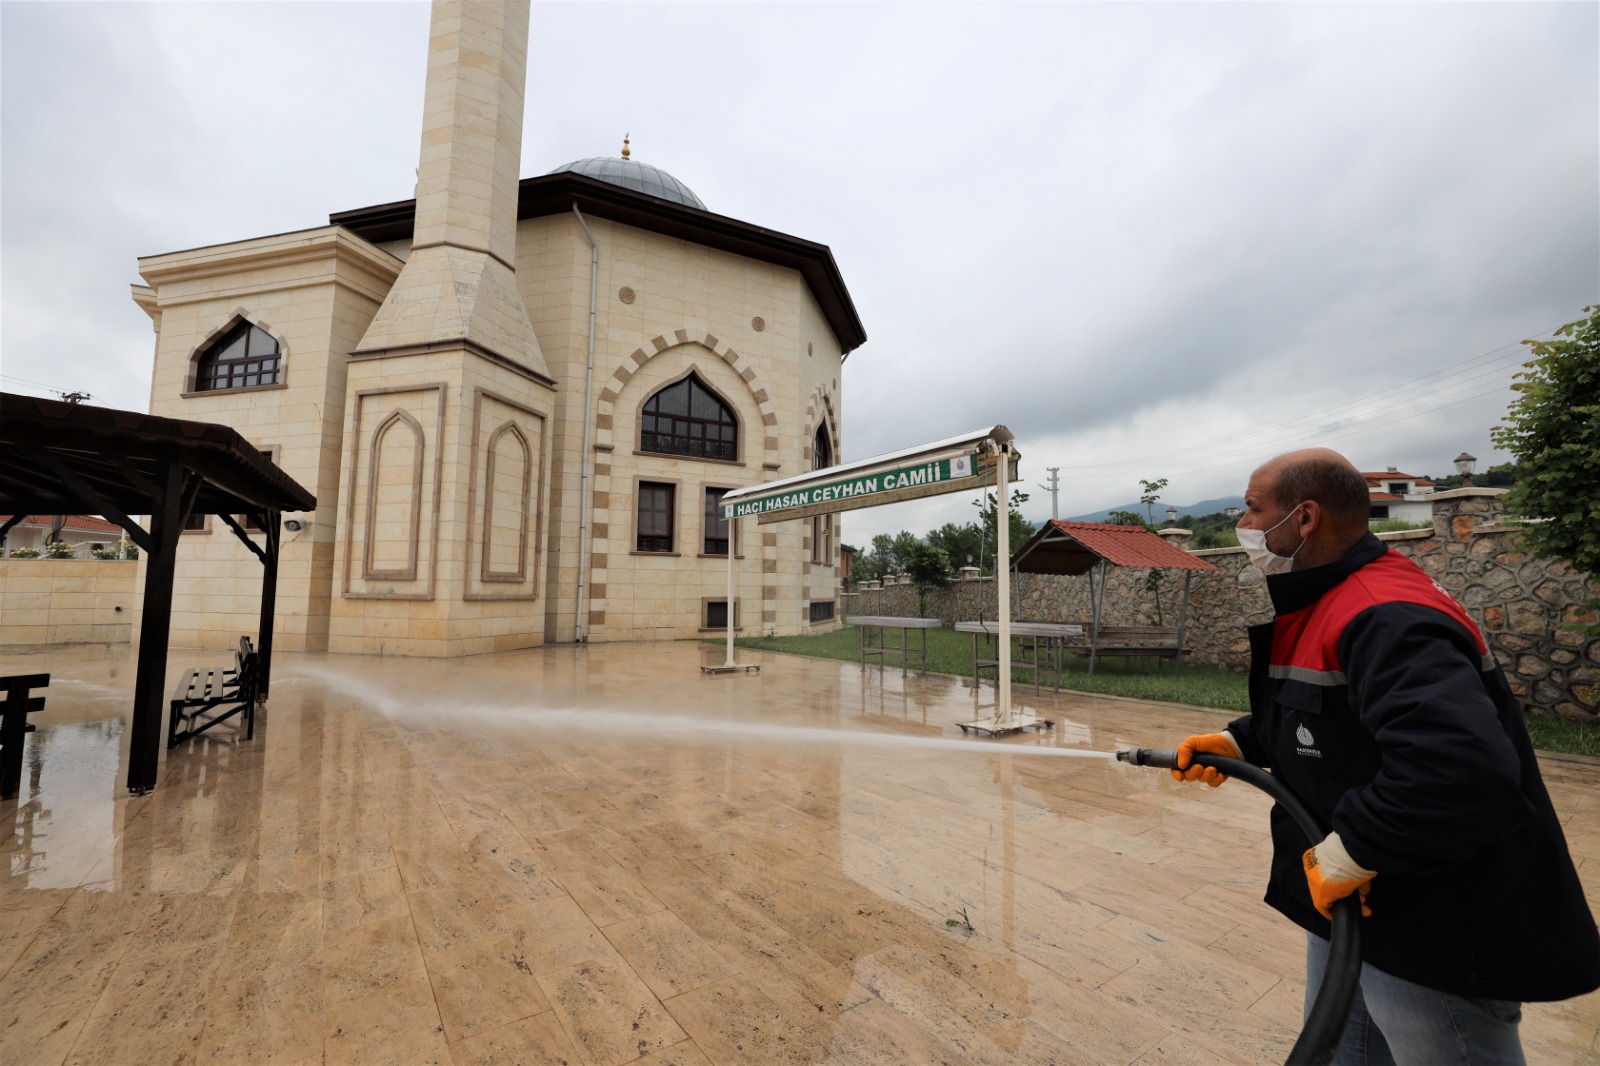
(459, 282)
(443, 481)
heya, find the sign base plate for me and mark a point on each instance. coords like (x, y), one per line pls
(731, 668)
(994, 727)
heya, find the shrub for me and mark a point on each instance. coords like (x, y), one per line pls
(105, 553)
(25, 553)
(130, 551)
(60, 549)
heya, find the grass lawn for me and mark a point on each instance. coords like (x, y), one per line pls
(950, 652)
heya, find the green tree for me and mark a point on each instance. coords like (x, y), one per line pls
(928, 567)
(1553, 430)
(1018, 529)
(963, 544)
(1125, 518)
(1150, 495)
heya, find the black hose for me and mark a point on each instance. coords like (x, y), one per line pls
(1324, 1028)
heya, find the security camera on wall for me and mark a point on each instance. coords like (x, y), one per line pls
(296, 521)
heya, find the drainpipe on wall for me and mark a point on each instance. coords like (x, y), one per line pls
(588, 422)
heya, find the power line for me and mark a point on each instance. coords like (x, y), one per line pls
(1395, 394)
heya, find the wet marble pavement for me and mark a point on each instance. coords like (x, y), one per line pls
(601, 856)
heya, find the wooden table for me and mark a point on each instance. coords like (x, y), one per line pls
(869, 622)
(1054, 634)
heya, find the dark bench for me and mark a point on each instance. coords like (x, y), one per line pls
(14, 725)
(1158, 642)
(201, 694)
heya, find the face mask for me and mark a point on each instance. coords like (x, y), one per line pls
(1254, 543)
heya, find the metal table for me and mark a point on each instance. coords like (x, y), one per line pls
(869, 622)
(1054, 634)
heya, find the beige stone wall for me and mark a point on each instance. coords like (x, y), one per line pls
(686, 307)
(415, 572)
(752, 331)
(314, 291)
(66, 601)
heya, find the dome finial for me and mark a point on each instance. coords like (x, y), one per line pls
(624, 146)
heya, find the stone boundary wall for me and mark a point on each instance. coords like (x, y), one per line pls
(1524, 606)
(67, 601)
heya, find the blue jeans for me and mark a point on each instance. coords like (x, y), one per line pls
(1398, 1023)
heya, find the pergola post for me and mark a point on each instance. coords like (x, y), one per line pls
(269, 599)
(155, 627)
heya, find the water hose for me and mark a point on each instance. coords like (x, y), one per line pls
(1325, 1022)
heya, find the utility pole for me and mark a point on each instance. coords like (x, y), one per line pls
(1054, 488)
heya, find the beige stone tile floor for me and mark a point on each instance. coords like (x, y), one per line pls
(601, 856)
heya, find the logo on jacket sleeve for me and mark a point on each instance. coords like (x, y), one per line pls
(1303, 735)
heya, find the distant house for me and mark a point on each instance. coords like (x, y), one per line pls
(1398, 496)
(82, 531)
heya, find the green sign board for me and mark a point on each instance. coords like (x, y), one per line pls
(847, 492)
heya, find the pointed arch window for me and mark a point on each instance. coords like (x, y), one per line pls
(822, 524)
(687, 418)
(244, 357)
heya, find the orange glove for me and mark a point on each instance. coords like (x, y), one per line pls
(1332, 875)
(1216, 744)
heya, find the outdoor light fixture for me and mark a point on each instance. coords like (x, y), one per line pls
(1465, 464)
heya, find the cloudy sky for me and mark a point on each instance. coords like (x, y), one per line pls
(1155, 240)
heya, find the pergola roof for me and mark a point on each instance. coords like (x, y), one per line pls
(1062, 547)
(116, 453)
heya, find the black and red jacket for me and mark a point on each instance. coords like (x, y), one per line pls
(1374, 698)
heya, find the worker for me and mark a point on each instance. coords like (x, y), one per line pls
(1374, 698)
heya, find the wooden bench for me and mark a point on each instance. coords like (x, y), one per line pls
(1029, 634)
(868, 622)
(1156, 642)
(200, 694)
(14, 725)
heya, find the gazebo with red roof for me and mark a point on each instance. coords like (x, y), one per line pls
(1062, 547)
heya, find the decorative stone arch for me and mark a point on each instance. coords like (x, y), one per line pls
(605, 409)
(239, 315)
(819, 410)
(487, 573)
(399, 419)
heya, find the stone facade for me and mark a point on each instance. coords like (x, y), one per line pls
(1527, 608)
(66, 601)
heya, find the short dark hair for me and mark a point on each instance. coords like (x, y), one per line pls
(1340, 490)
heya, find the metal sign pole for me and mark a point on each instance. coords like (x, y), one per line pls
(1002, 574)
(729, 666)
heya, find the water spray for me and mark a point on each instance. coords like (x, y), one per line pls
(1324, 1028)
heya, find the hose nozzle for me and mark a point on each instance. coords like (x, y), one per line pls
(1164, 758)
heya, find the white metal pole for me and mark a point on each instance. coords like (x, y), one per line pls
(1002, 573)
(733, 525)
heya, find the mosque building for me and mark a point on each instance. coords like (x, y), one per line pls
(518, 403)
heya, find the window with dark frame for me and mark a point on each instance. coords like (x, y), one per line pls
(244, 357)
(1379, 510)
(194, 523)
(686, 418)
(717, 614)
(821, 611)
(1398, 488)
(716, 537)
(655, 517)
(822, 524)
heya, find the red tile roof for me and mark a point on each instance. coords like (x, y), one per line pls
(82, 523)
(1374, 478)
(1062, 547)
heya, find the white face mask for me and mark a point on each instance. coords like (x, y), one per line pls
(1254, 543)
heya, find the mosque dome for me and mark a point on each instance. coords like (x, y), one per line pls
(640, 177)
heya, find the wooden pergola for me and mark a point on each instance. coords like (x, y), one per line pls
(61, 458)
(1062, 547)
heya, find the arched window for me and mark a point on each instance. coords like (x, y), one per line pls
(687, 418)
(822, 524)
(244, 356)
(821, 450)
